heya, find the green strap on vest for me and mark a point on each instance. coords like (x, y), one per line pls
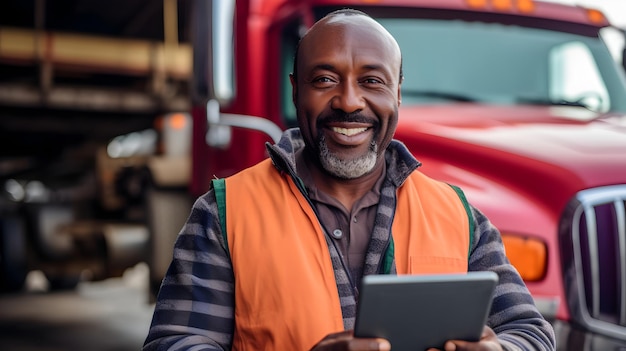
(219, 185)
(468, 210)
(388, 258)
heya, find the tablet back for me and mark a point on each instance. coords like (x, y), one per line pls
(415, 312)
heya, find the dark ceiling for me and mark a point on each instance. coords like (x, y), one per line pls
(118, 18)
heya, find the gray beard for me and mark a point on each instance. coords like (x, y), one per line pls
(347, 169)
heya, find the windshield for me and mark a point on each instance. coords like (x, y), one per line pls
(454, 60)
(451, 60)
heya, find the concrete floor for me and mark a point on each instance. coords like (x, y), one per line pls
(111, 315)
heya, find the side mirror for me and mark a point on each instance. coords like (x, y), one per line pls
(212, 27)
(214, 81)
(219, 133)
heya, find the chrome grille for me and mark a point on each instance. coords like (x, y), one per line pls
(593, 247)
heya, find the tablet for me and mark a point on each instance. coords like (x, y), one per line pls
(415, 312)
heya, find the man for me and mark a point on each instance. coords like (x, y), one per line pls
(271, 258)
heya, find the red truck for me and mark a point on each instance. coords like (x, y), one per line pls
(518, 102)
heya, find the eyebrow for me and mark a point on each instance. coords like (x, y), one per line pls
(323, 66)
(375, 67)
(329, 67)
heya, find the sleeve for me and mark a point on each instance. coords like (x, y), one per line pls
(513, 316)
(194, 309)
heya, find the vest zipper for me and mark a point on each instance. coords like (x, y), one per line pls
(300, 186)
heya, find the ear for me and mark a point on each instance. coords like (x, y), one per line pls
(399, 93)
(294, 88)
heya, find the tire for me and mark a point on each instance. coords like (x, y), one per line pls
(13, 266)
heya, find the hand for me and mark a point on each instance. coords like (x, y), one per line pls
(488, 342)
(346, 341)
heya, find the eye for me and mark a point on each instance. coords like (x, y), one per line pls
(323, 82)
(371, 81)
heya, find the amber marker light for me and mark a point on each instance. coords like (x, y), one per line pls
(502, 5)
(528, 255)
(526, 6)
(477, 3)
(595, 16)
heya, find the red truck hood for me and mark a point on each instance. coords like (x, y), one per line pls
(560, 149)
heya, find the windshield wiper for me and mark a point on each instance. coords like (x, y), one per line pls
(438, 95)
(551, 102)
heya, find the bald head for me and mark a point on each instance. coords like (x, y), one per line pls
(346, 89)
(350, 19)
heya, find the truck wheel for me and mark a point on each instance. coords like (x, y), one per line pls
(13, 268)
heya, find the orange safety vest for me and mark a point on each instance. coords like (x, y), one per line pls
(286, 296)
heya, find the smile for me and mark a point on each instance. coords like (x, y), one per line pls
(348, 131)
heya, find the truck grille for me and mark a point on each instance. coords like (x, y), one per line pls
(593, 247)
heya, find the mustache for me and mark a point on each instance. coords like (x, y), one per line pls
(340, 116)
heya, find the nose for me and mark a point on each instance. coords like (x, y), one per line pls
(349, 98)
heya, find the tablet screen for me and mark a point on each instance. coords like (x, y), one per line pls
(415, 312)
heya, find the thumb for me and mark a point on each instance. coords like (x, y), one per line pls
(449, 346)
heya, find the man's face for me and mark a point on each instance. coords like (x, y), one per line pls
(347, 93)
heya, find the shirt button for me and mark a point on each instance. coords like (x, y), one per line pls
(337, 233)
(354, 219)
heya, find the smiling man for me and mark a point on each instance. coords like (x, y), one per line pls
(271, 258)
(348, 101)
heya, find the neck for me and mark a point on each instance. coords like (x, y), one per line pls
(346, 191)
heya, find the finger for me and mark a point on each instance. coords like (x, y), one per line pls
(334, 337)
(484, 344)
(369, 345)
(345, 341)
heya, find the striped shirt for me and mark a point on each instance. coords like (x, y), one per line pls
(195, 306)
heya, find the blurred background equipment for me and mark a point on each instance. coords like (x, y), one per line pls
(93, 97)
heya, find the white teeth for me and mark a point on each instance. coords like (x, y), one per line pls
(349, 131)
